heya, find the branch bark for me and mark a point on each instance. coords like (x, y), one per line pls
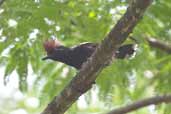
(85, 78)
(153, 42)
(142, 103)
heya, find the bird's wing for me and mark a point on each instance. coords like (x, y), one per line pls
(86, 45)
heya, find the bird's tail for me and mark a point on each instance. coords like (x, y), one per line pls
(128, 50)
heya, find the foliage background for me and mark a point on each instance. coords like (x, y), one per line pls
(24, 25)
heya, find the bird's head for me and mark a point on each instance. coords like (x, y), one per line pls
(50, 45)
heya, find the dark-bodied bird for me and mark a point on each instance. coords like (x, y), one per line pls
(77, 55)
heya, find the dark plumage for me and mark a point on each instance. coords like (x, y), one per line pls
(77, 55)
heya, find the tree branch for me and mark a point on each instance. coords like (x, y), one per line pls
(84, 79)
(142, 103)
(159, 44)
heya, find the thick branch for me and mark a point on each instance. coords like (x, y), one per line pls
(159, 44)
(84, 79)
(142, 103)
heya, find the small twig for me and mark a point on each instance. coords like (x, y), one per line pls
(134, 39)
(153, 42)
(142, 103)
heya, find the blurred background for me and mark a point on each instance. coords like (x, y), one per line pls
(28, 84)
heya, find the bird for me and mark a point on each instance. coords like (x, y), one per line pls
(75, 56)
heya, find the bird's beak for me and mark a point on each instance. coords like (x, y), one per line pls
(44, 58)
